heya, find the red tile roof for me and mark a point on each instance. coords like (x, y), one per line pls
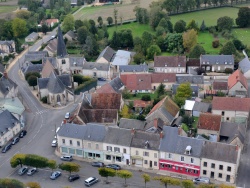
(231, 104)
(137, 81)
(236, 77)
(193, 62)
(50, 21)
(163, 77)
(141, 103)
(219, 85)
(170, 61)
(209, 121)
(106, 88)
(106, 100)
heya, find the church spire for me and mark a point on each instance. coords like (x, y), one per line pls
(61, 48)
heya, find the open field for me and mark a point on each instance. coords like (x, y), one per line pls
(7, 8)
(243, 34)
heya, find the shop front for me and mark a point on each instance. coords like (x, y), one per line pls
(181, 168)
(93, 154)
(113, 157)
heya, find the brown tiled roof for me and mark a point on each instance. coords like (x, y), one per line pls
(236, 77)
(49, 21)
(98, 115)
(219, 85)
(137, 81)
(106, 88)
(170, 61)
(193, 62)
(47, 69)
(209, 121)
(163, 77)
(231, 104)
(106, 100)
(141, 103)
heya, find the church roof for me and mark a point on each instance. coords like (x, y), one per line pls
(61, 48)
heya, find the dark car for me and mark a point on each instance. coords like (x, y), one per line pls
(6, 148)
(15, 140)
(73, 177)
(101, 79)
(98, 164)
(114, 166)
(22, 133)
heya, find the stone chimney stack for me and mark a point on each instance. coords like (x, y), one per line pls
(161, 134)
(133, 131)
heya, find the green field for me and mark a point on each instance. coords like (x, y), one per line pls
(243, 34)
(7, 9)
(209, 16)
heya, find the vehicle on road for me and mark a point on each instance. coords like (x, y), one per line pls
(55, 175)
(67, 115)
(54, 143)
(90, 181)
(201, 180)
(22, 133)
(114, 166)
(6, 148)
(15, 140)
(73, 177)
(31, 171)
(97, 164)
(101, 79)
(22, 170)
(66, 158)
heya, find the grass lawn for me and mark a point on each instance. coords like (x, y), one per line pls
(194, 124)
(243, 34)
(7, 9)
(209, 16)
(139, 95)
(205, 40)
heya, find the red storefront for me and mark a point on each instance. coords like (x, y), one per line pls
(181, 168)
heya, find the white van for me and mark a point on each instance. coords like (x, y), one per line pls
(200, 180)
(90, 181)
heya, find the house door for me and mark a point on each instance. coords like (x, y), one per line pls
(150, 164)
(212, 175)
(127, 161)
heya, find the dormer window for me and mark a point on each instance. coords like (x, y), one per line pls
(207, 62)
(146, 144)
(179, 65)
(217, 63)
(74, 63)
(225, 63)
(166, 65)
(188, 150)
(63, 61)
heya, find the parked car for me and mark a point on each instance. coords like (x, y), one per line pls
(31, 171)
(6, 148)
(73, 177)
(66, 158)
(54, 143)
(114, 166)
(22, 133)
(201, 180)
(15, 140)
(22, 170)
(101, 79)
(55, 175)
(67, 115)
(98, 164)
(90, 181)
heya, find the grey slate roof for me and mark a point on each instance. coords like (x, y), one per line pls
(133, 68)
(244, 64)
(32, 35)
(232, 130)
(118, 136)
(71, 34)
(193, 79)
(107, 54)
(142, 139)
(72, 131)
(7, 120)
(94, 65)
(131, 123)
(173, 143)
(52, 60)
(95, 132)
(35, 55)
(76, 61)
(2, 68)
(202, 107)
(217, 59)
(116, 84)
(6, 84)
(6, 42)
(42, 83)
(195, 90)
(65, 79)
(61, 48)
(220, 152)
(33, 68)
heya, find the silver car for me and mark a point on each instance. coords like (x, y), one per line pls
(55, 175)
(31, 171)
(22, 170)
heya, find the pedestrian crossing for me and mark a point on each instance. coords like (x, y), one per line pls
(42, 111)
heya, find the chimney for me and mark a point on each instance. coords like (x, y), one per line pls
(179, 130)
(64, 121)
(5, 74)
(161, 134)
(133, 131)
(156, 123)
(237, 148)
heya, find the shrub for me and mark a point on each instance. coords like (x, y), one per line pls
(146, 98)
(228, 70)
(44, 99)
(216, 43)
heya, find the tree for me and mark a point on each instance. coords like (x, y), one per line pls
(152, 51)
(70, 167)
(160, 90)
(147, 41)
(45, 28)
(32, 81)
(35, 160)
(225, 23)
(196, 51)
(19, 27)
(206, 186)
(203, 26)
(238, 44)
(125, 174)
(11, 183)
(155, 15)
(23, 14)
(187, 184)
(146, 98)
(125, 112)
(180, 26)
(68, 23)
(183, 93)
(167, 180)
(146, 178)
(109, 20)
(100, 21)
(174, 43)
(228, 49)
(226, 186)
(36, 74)
(52, 164)
(33, 185)
(82, 34)
(106, 172)
(193, 25)
(115, 16)
(17, 159)
(91, 46)
(78, 24)
(243, 17)
(189, 39)
(142, 15)
(139, 58)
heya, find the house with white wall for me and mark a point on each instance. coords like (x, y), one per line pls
(170, 64)
(237, 85)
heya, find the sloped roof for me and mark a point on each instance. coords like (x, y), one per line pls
(42, 83)
(95, 132)
(7, 120)
(13, 105)
(202, 107)
(71, 34)
(47, 69)
(140, 103)
(189, 105)
(98, 115)
(209, 121)
(76, 61)
(170, 61)
(6, 84)
(217, 59)
(61, 48)
(193, 62)
(163, 77)
(118, 136)
(194, 79)
(33, 68)
(131, 124)
(244, 64)
(106, 100)
(236, 77)
(137, 81)
(35, 55)
(114, 86)
(72, 131)
(32, 35)
(232, 130)
(133, 68)
(107, 54)
(219, 85)
(231, 104)
(97, 66)
(122, 57)
(52, 46)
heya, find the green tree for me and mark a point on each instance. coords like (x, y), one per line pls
(91, 46)
(52, 164)
(82, 34)
(225, 23)
(180, 26)
(203, 26)
(109, 20)
(238, 44)
(78, 24)
(228, 49)
(70, 167)
(167, 180)
(146, 97)
(139, 58)
(32, 81)
(152, 51)
(35, 160)
(68, 23)
(23, 14)
(33, 185)
(36, 74)
(183, 93)
(206, 186)
(100, 21)
(226, 186)
(125, 174)
(243, 17)
(155, 15)
(174, 43)
(187, 184)
(189, 39)
(142, 15)
(125, 112)
(45, 28)
(106, 172)
(147, 41)
(192, 25)
(19, 27)
(146, 178)
(196, 51)
(11, 183)
(160, 90)
(17, 159)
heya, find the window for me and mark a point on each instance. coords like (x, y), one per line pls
(229, 168)
(124, 150)
(204, 172)
(145, 153)
(220, 175)
(70, 142)
(212, 165)
(78, 143)
(155, 155)
(155, 163)
(205, 164)
(63, 141)
(228, 178)
(212, 175)
(108, 157)
(221, 167)
(109, 148)
(222, 113)
(116, 149)
(169, 155)
(97, 155)
(89, 145)
(182, 158)
(192, 160)
(63, 61)
(96, 146)
(119, 159)
(145, 162)
(227, 118)
(137, 152)
(195, 171)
